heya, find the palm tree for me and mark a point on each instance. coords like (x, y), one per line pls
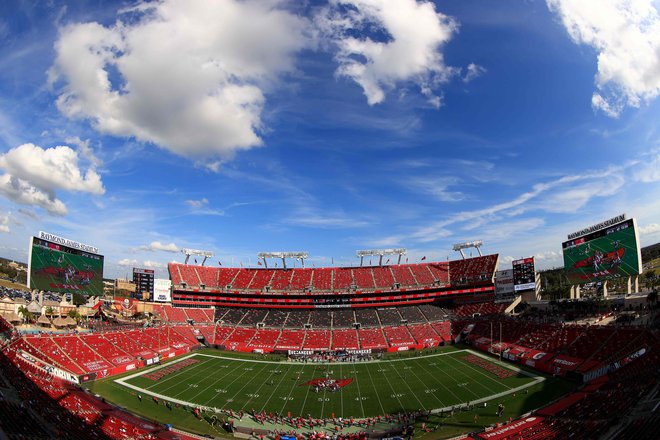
(25, 314)
(49, 311)
(73, 313)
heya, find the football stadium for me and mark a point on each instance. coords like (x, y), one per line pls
(329, 219)
(429, 349)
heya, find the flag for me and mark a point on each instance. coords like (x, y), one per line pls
(195, 260)
(259, 263)
(219, 263)
(406, 259)
(388, 260)
(424, 258)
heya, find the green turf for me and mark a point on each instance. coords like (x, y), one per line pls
(453, 381)
(385, 387)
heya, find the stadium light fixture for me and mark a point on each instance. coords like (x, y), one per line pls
(283, 255)
(380, 253)
(469, 244)
(189, 252)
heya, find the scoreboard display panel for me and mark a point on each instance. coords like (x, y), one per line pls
(609, 253)
(56, 267)
(524, 275)
(144, 282)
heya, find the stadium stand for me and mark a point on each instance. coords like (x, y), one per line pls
(367, 317)
(345, 339)
(364, 278)
(290, 340)
(343, 318)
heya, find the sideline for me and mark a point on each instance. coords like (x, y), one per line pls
(537, 379)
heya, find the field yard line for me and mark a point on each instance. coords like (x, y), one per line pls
(260, 386)
(307, 393)
(411, 391)
(210, 366)
(425, 384)
(341, 396)
(535, 381)
(404, 359)
(469, 365)
(323, 403)
(302, 367)
(448, 368)
(170, 377)
(376, 390)
(441, 384)
(357, 382)
(214, 382)
(276, 388)
(244, 385)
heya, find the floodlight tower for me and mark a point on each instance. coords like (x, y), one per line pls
(469, 244)
(380, 252)
(283, 255)
(189, 252)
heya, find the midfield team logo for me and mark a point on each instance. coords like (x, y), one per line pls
(327, 384)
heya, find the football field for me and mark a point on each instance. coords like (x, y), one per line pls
(432, 382)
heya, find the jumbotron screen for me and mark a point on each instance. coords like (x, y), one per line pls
(60, 268)
(524, 274)
(608, 253)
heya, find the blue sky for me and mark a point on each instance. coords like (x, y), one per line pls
(239, 127)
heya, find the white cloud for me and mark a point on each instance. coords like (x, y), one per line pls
(154, 264)
(33, 175)
(196, 204)
(51, 169)
(548, 255)
(158, 246)
(648, 171)
(650, 229)
(473, 71)
(85, 150)
(127, 262)
(4, 223)
(437, 187)
(404, 46)
(626, 35)
(22, 192)
(561, 195)
(188, 76)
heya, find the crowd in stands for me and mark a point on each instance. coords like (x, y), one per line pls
(37, 405)
(479, 270)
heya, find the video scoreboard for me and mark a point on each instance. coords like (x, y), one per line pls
(608, 250)
(144, 283)
(524, 274)
(62, 265)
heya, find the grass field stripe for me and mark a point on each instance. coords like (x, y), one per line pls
(276, 390)
(404, 359)
(341, 396)
(448, 366)
(463, 372)
(380, 402)
(492, 379)
(412, 370)
(306, 393)
(302, 367)
(260, 387)
(187, 371)
(244, 385)
(216, 381)
(172, 376)
(392, 388)
(421, 364)
(357, 382)
(407, 385)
